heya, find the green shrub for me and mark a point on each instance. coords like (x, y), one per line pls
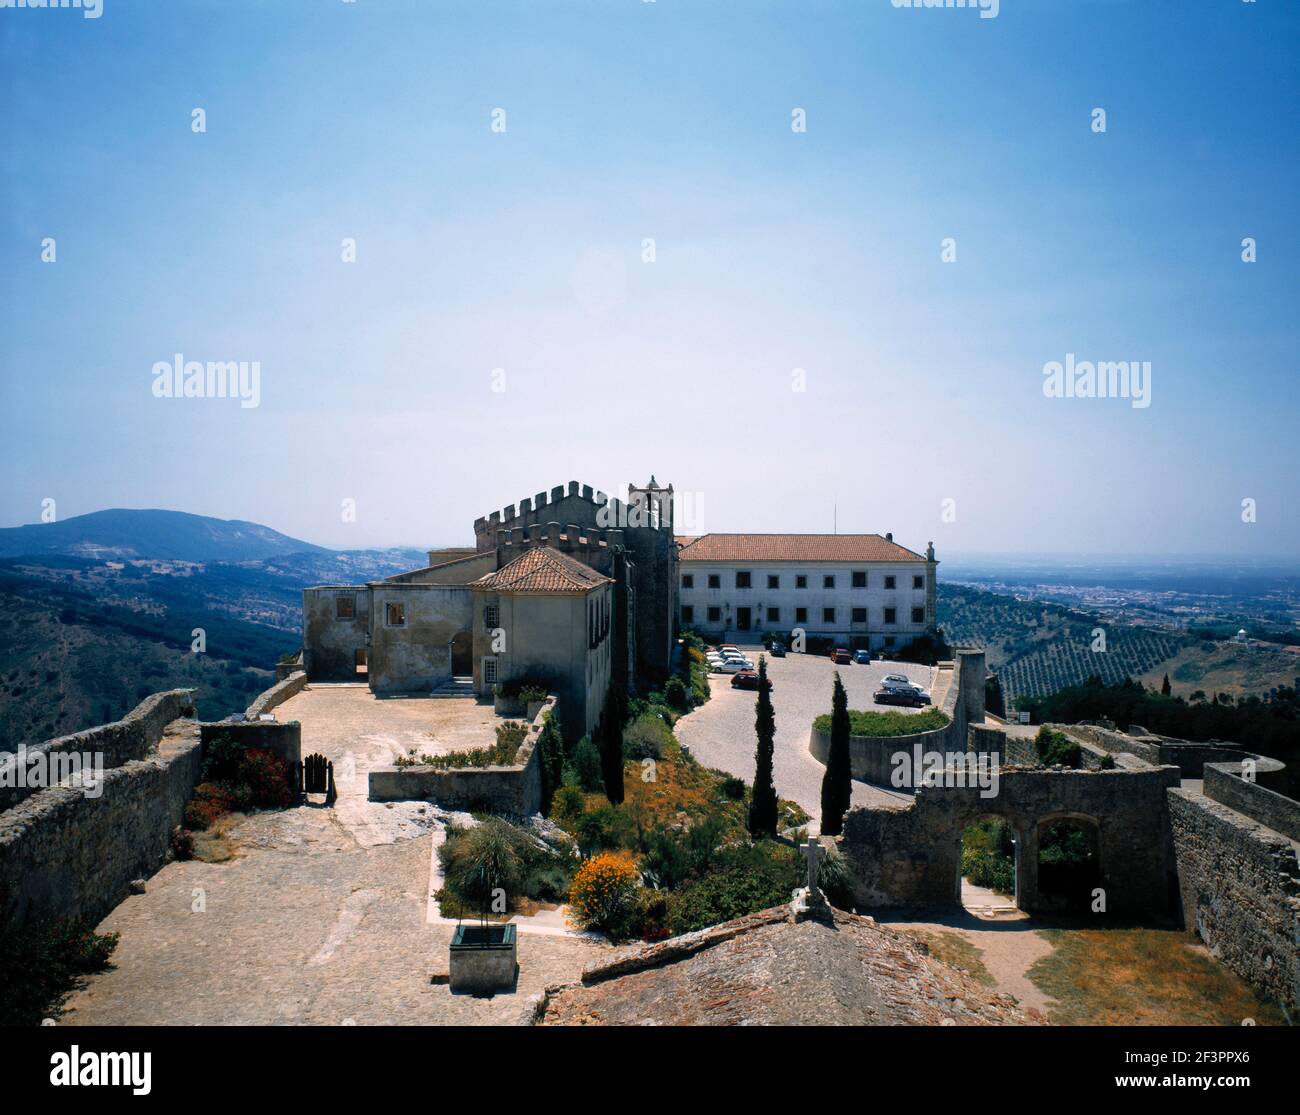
(603, 829)
(988, 856)
(675, 694)
(1057, 749)
(733, 788)
(835, 879)
(744, 882)
(43, 962)
(886, 724)
(646, 737)
(587, 767)
(568, 803)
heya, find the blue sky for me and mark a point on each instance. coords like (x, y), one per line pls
(775, 250)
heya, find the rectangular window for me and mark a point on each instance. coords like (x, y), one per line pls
(489, 671)
(918, 582)
(828, 615)
(688, 614)
(859, 578)
(715, 580)
(891, 615)
(801, 615)
(828, 581)
(715, 615)
(396, 615)
(774, 615)
(800, 581)
(859, 615)
(889, 582)
(918, 615)
(345, 607)
(773, 581)
(688, 580)
(491, 616)
(742, 580)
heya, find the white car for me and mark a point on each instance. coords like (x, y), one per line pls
(897, 681)
(732, 666)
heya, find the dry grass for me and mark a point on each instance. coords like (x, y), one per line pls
(214, 844)
(953, 949)
(1142, 977)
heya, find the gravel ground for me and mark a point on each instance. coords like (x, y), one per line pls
(721, 733)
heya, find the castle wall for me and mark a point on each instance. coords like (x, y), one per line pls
(132, 737)
(64, 855)
(911, 855)
(1239, 884)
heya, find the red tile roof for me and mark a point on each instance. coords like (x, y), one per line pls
(794, 547)
(542, 569)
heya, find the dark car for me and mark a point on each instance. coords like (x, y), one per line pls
(862, 657)
(777, 650)
(909, 696)
(841, 656)
(747, 679)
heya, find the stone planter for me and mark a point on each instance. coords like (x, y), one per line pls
(484, 959)
(534, 707)
(507, 706)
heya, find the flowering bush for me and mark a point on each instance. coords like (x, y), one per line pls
(603, 892)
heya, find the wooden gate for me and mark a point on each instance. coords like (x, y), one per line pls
(317, 777)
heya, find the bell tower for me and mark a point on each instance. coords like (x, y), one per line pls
(654, 505)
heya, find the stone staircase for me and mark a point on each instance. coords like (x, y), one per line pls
(460, 686)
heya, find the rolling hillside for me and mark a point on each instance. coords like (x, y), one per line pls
(125, 533)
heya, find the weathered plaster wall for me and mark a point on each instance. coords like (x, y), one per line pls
(415, 657)
(1240, 888)
(330, 644)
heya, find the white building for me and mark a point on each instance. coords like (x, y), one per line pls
(863, 590)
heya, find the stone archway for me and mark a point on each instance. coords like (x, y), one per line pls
(1067, 862)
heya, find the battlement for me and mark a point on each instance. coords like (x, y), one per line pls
(608, 512)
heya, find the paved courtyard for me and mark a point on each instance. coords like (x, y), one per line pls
(323, 916)
(721, 733)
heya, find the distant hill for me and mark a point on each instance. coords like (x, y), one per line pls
(123, 533)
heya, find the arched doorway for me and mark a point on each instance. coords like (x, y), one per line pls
(1069, 862)
(462, 654)
(989, 866)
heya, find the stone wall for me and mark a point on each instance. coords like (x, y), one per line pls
(515, 790)
(911, 855)
(1239, 885)
(64, 855)
(330, 643)
(132, 737)
(1224, 783)
(282, 740)
(280, 692)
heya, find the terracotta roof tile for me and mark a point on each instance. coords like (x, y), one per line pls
(794, 547)
(542, 569)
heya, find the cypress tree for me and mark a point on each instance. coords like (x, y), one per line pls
(1165, 687)
(610, 735)
(837, 782)
(762, 808)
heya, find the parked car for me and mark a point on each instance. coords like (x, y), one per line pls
(733, 666)
(909, 696)
(892, 681)
(777, 650)
(841, 656)
(747, 679)
(862, 657)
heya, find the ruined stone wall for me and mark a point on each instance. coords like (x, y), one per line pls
(911, 855)
(64, 855)
(132, 737)
(1239, 884)
(280, 692)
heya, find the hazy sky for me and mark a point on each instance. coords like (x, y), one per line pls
(775, 249)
